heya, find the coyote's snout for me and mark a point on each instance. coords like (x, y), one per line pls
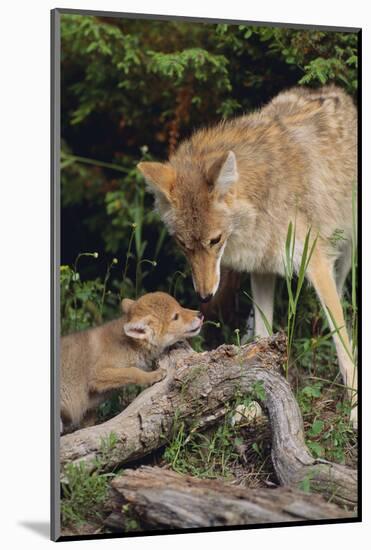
(197, 209)
(206, 273)
(229, 193)
(205, 257)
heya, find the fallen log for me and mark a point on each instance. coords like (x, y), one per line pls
(197, 389)
(162, 498)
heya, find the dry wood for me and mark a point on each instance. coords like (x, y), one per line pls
(165, 499)
(197, 389)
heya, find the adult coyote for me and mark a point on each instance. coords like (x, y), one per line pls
(229, 193)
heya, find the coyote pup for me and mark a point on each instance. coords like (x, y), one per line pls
(120, 352)
(229, 193)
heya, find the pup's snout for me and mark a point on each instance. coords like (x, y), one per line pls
(204, 299)
(196, 324)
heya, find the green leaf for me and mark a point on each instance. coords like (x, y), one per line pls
(316, 449)
(317, 427)
(312, 391)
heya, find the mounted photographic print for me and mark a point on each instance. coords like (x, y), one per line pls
(205, 289)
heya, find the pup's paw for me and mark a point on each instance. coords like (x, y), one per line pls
(158, 375)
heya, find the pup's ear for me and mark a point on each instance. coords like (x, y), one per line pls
(140, 329)
(223, 173)
(126, 304)
(159, 177)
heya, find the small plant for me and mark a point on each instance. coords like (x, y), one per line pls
(203, 454)
(139, 274)
(197, 342)
(84, 302)
(80, 300)
(128, 254)
(314, 432)
(258, 391)
(84, 491)
(131, 522)
(173, 286)
(210, 453)
(105, 281)
(327, 430)
(339, 436)
(173, 450)
(308, 394)
(83, 494)
(331, 437)
(237, 333)
(107, 446)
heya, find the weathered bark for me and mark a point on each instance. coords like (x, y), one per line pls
(165, 499)
(197, 389)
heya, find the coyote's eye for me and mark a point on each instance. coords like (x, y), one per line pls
(216, 240)
(175, 317)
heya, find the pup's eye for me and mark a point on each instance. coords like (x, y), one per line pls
(176, 316)
(216, 240)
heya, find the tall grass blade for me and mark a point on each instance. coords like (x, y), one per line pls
(265, 320)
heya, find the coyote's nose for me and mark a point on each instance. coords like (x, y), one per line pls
(204, 299)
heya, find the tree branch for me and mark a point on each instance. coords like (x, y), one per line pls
(161, 498)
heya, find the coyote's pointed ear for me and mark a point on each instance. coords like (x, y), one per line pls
(160, 177)
(126, 304)
(223, 173)
(139, 328)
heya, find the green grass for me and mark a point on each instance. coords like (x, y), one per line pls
(206, 454)
(84, 490)
(83, 495)
(215, 452)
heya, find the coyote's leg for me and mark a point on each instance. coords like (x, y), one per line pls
(343, 266)
(262, 288)
(320, 273)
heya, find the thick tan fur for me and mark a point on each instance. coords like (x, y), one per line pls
(229, 192)
(96, 361)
